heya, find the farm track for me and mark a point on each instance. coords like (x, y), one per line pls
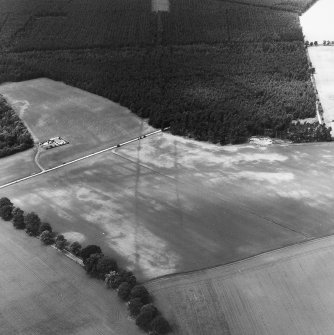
(78, 159)
(36, 159)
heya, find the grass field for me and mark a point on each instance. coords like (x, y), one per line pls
(43, 292)
(88, 122)
(288, 291)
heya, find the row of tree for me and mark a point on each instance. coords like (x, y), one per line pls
(309, 132)
(97, 265)
(14, 136)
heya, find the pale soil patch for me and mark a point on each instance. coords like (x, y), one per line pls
(89, 122)
(308, 120)
(289, 184)
(72, 236)
(262, 140)
(288, 291)
(44, 292)
(323, 59)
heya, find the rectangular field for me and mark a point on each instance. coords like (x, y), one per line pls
(288, 291)
(43, 292)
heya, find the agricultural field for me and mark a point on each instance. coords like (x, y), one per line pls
(289, 185)
(17, 166)
(166, 204)
(43, 292)
(322, 59)
(288, 291)
(88, 122)
(298, 6)
(133, 213)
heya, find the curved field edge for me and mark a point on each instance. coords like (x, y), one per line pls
(284, 291)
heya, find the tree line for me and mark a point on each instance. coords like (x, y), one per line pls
(14, 136)
(97, 265)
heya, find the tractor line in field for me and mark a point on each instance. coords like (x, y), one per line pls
(79, 159)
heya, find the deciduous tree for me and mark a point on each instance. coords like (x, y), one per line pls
(18, 218)
(32, 223)
(90, 250)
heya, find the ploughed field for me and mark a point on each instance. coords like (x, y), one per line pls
(287, 291)
(43, 292)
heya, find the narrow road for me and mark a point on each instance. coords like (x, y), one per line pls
(79, 159)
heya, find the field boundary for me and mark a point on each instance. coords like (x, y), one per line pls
(243, 260)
